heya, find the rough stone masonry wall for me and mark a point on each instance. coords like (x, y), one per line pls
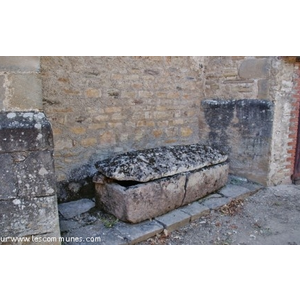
(263, 78)
(28, 202)
(100, 106)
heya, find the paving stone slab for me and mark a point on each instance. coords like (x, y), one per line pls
(71, 209)
(95, 234)
(135, 233)
(123, 233)
(209, 197)
(215, 203)
(253, 187)
(67, 225)
(233, 191)
(111, 236)
(174, 219)
(195, 210)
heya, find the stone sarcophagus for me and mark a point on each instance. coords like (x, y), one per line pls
(140, 185)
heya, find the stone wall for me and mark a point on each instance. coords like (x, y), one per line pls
(100, 106)
(28, 201)
(259, 78)
(282, 92)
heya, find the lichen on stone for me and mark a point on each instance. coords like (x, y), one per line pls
(154, 163)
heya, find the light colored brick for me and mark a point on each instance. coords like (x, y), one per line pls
(78, 130)
(178, 121)
(129, 94)
(63, 144)
(89, 142)
(112, 109)
(116, 76)
(107, 138)
(173, 95)
(145, 94)
(117, 117)
(71, 92)
(145, 123)
(186, 131)
(101, 118)
(93, 93)
(162, 95)
(157, 133)
(162, 114)
(56, 131)
(97, 126)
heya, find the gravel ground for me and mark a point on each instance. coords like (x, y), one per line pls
(269, 217)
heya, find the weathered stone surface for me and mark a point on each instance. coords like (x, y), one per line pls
(28, 201)
(139, 202)
(2, 91)
(174, 219)
(19, 63)
(233, 191)
(24, 92)
(263, 86)
(135, 233)
(22, 131)
(143, 201)
(20, 217)
(195, 210)
(138, 110)
(204, 182)
(67, 225)
(155, 163)
(215, 203)
(243, 130)
(210, 196)
(8, 180)
(35, 174)
(75, 208)
(255, 68)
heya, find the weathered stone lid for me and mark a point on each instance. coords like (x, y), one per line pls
(150, 164)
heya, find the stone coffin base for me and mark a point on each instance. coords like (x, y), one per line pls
(135, 202)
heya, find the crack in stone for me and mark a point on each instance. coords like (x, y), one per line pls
(185, 188)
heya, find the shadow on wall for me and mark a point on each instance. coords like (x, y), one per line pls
(243, 130)
(79, 184)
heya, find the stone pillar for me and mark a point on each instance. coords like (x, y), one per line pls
(28, 202)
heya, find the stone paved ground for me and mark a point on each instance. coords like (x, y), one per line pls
(241, 213)
(269, 217)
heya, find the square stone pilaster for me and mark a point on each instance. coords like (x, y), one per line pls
(28, 202)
